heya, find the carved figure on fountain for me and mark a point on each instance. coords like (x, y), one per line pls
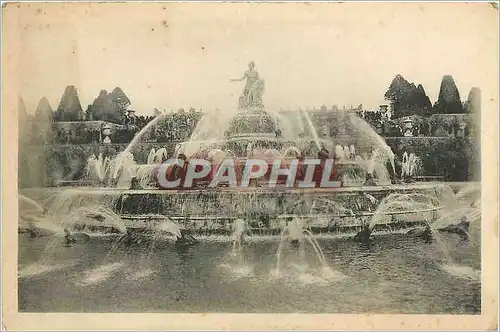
(251, 97)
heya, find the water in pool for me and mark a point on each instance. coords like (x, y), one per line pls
(394, 273)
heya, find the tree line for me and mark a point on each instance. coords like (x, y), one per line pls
(408, 99)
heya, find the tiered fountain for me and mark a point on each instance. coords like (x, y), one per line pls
(363, 162)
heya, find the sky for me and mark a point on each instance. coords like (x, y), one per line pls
(168, 56)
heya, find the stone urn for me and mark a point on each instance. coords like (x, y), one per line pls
(106, 133)
(407, 128)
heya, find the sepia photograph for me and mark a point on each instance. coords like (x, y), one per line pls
(205, 163)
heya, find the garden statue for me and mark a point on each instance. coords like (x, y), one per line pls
(408, 128)
(461, 130)
(106, 132)
(251, 96)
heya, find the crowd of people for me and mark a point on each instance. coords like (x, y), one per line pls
(178, 126)
(76, 136)
(420, 126)
(175, 126)
(139, 121)
(382, 123)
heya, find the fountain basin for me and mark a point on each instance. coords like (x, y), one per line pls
(213, 211)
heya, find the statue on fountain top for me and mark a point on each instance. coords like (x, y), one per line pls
(251, 97)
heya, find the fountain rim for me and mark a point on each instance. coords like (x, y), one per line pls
(153, 190)
(278, 216)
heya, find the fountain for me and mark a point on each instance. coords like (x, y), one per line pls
(235, 263)
(276, 239)
(461, 219)
(131, 191)
(98, 168)
(410, 165)
(296, 235)
(295, 239)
